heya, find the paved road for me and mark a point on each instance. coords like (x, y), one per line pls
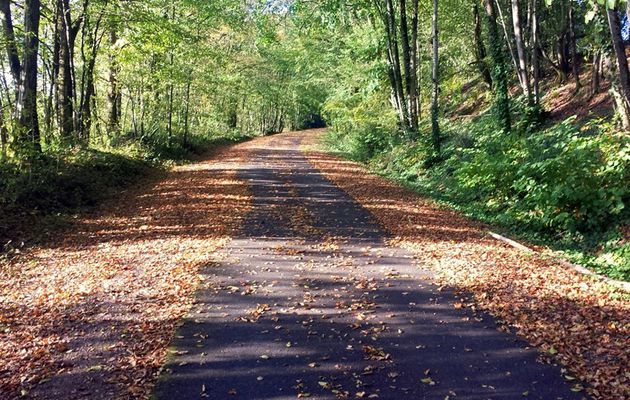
(309, 302)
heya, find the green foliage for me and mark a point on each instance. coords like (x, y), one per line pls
(562, 185)
(559, 179)
(66, 180)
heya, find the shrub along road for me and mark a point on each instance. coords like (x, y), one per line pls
(332, 286)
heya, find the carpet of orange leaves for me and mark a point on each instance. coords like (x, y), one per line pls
(91, 312)
(571, 318)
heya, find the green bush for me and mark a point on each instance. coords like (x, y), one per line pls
(62, 181)
(564, 185)
(562, 178)
(65, 180)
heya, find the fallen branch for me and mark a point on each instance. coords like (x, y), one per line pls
(612, 282)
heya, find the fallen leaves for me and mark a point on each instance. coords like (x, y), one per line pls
(255, 314)
(580, 322)
(376, 354)
(104, 296)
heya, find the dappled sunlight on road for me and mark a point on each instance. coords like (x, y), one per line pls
(103, 297)
(580, 321)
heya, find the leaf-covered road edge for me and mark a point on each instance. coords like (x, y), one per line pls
(580, 322)
(91, 312)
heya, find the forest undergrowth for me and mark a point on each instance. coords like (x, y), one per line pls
(54, 187)
(561, 186)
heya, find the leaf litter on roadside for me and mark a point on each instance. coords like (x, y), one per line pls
(116, 282)
(573, 319)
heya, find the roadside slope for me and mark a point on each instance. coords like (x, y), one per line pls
(91, 311)
(567, 315)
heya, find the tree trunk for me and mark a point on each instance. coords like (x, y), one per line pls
(28, 121)
(85, 122)
(114, 96)
(4, 136)
(395, 55)
(415, 61)
(170, 114)
(88, 88)
(435, 125)
(480, 49)
(499, 74)
(623, 75)
(522, 69)
(11, 46)
(595, 72)
(563, 43)
(391, 73)
(508, 40)
(406, 49)
(65, 88)
(574, 53)
(535, 52)
(187, 112)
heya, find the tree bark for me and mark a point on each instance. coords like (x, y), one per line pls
(480, 49)
(499, 73)
(406, 49)
(11, 46)
(563, 67)
(574, 53)
(535, 52)
(4, 136)
(67, 32)
(88, 87)
(595, 72)
(28, 121)
(508, 40)
(623, 75)
(395, 56)
(415, 60)
(114, 96)
(187, 111)
(522, 69)
(435, 124)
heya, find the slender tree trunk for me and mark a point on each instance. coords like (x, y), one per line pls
(508, 39)
(406, 49)
(65, 88)
(563, 43)
(85, 123)
(520, 50)
(4, 136)
(480, 49)
(574, 53)
(88, 88)
(187, 112)
(5, 86)
(391, 74)
(170, 114)
(535, 52)
(49, 101)
(414, 61)
(395, 55)
(499, 71)
(623, 75)
(435, 125)
(11, 46)
(114, 96)
(171, 84)
(28, 122)
(595, 72)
